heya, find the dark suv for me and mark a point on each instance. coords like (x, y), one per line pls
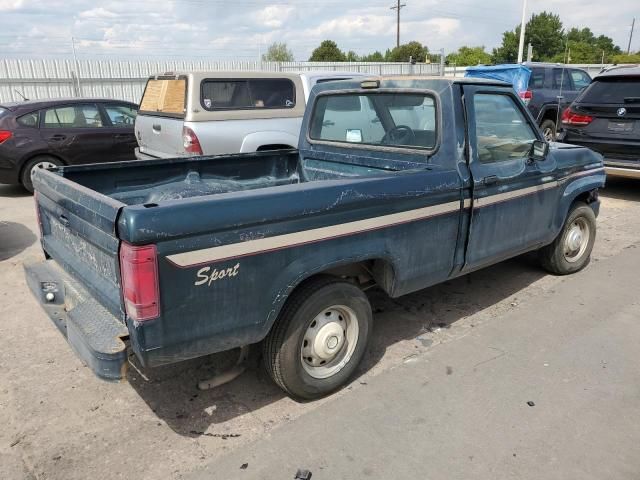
(547, 83)
(44, 133)
(606, 118)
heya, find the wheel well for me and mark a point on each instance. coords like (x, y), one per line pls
(27, 160)
(365, 273)
(550, 114)
(587, 197)
(275, 146)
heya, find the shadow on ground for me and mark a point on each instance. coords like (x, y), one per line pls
(622, 189)
(171, 392)
(14, 238)
(13, 191)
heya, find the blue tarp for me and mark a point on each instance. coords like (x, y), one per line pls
(516, 75)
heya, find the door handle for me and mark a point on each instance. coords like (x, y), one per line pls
(122, 135)
(157, 127)
(64, 220)
(57, 137)
(490, 180)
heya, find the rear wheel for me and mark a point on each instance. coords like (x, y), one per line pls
(319, 338)
(43, 161)
(548, 128)
(570, 252)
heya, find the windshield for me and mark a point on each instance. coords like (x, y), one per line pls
(399, 120)
(613, 90)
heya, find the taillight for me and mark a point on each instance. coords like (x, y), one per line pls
(569, 117)
(140, 287)
(190, 141)
(526, 96)
(5, 135)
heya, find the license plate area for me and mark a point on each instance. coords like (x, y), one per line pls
(621, 126)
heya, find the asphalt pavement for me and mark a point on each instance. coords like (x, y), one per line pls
(549, 391)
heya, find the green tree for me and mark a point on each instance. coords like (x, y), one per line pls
(624, 58)
(404, 52)
(352, 56)
(278, 52)
(373, 57)
(545, 33)
(469, 56)
(584, 47)
(328, 51)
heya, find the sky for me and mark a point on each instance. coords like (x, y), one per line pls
(241, 29)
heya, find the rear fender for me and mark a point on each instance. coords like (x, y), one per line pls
(253, 141)
(300, 270)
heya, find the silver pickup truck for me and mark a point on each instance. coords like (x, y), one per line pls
(209, 113)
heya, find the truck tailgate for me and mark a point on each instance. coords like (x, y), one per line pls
(78, 232)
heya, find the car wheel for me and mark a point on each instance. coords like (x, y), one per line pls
(548, 128)
(319, 338)
(570, 252)
(43, 161)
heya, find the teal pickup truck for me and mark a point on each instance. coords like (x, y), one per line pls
(398, 184)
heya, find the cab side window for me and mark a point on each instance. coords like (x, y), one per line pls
(502, 130)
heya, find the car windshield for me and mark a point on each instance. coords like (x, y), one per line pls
(612, 90)
(399, 120)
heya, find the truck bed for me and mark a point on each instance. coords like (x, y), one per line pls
(172, 179)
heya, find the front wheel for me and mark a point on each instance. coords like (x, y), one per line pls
(570, 252)
(319, 338)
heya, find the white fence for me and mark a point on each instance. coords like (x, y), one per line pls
(125, 80)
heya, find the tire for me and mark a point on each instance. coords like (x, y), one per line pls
(548, 128)
(570, 252)
(312, 317)
(41, 161)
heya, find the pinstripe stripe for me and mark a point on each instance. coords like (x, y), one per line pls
(261, 245)
(287, 240)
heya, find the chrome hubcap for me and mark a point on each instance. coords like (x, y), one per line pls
(576, 240)
(41, 165)
(329, 341)
(548, 134)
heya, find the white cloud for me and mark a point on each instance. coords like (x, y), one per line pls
(239, 29)
(98, 13)
(7, 5)
(273, 16)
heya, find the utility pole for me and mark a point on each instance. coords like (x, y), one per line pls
(75, 61)
(522, 26)
(398, 7)
(633, 24)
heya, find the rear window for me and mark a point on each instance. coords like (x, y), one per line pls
(395, 120)
(28, 120)
(164, 97)
(613, 90)
(244, 94)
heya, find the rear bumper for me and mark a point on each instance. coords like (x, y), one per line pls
(143, 156)
(96, 336)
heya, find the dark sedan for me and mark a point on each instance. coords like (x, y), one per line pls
(45, 133)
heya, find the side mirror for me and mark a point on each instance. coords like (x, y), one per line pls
(539, 150)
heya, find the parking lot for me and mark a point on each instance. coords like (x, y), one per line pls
(63, 423)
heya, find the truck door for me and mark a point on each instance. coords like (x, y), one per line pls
(514, 198)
